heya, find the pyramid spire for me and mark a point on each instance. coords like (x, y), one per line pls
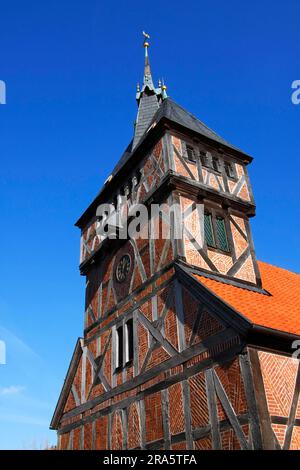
(148, 97)
(148, 82)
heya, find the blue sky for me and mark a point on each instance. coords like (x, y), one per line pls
(71, 68)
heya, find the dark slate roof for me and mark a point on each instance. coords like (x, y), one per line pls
(178, 114)
(148, 107)
(174, 112)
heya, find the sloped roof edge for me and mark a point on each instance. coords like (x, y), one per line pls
(67, 384)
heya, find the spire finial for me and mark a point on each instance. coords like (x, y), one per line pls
(146, 36)
(146, 44)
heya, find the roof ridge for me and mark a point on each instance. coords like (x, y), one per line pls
(237, 285)
(278, 267)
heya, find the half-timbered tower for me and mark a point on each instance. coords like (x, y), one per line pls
(188, 339)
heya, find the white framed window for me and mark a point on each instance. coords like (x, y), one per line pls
(128, 341)
(119, 347)
(124, 344)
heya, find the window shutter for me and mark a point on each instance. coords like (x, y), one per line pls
(208, 230)
(221, 234)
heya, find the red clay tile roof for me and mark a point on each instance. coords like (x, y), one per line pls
(280, 311)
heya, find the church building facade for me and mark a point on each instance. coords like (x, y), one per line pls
(188, 341)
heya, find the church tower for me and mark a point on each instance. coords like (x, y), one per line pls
(175, 325)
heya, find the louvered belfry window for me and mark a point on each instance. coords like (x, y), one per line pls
(208, 230)
(221, 234)
(215, 232)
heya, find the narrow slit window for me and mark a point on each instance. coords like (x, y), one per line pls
(208, 230)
